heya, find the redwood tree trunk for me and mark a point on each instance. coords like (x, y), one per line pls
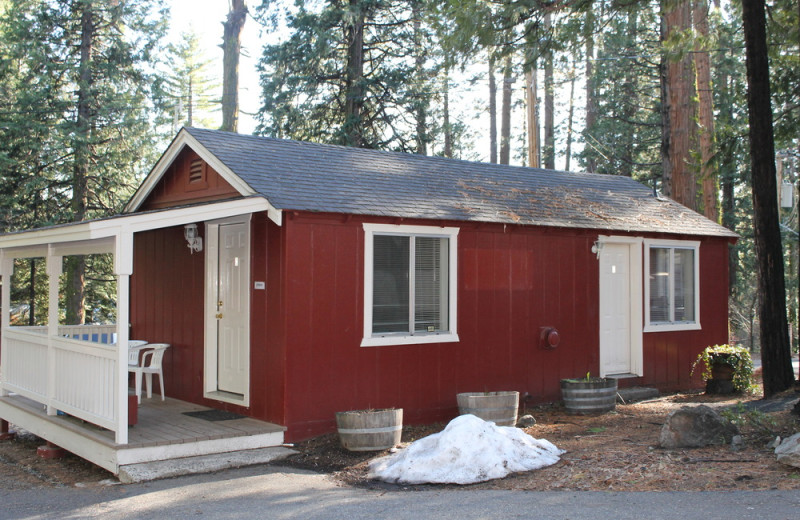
(231, 48)
(775, 355)
(678, 182)
(708, 171)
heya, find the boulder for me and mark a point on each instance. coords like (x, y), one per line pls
(695, 427)
(789, 451)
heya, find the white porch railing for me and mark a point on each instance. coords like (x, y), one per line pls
(106, 334)
(75, 376)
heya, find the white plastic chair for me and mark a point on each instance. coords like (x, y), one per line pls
(134, 349)
(150, 364)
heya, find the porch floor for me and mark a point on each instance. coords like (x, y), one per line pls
(162, 432)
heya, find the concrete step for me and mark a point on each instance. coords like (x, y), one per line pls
(636, 393)
(201, 464)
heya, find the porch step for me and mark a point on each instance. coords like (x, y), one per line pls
(145, 471)
(636, 393)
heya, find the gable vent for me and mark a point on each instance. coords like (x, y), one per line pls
(196, 170)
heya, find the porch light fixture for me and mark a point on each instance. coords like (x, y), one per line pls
(597, 248)
(194, 241)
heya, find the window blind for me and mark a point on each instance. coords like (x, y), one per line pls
(390, 289)
(430, 284)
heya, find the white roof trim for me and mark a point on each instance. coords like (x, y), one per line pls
(184, 138)
(73, 237)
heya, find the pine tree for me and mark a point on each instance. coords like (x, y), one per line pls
(347, 74)
(191, 84)
(82, 104)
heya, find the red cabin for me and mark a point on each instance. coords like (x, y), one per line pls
(321, 278)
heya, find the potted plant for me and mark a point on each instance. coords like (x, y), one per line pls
(589, 394)
(726, 369)
(497, 407)
(370, 430)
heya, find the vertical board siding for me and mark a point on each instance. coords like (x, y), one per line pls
(266, 331)
(167, 295)
(167, 306)
(307, 325)
(512, 282)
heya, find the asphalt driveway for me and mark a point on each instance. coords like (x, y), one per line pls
(279, 493)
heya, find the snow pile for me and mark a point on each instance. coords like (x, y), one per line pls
(468, 450)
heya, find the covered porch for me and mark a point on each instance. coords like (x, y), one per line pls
(69, 383)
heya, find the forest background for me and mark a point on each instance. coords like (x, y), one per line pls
(92, 91)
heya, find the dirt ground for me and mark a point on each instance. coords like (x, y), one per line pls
(615, 451)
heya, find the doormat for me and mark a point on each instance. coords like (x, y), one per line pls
(215, 415)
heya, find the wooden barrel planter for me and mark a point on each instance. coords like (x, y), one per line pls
(497, 407)
(721, 381)
(596, 395)
(370, 430)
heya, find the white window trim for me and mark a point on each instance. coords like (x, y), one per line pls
(370, 230)
(664, 327)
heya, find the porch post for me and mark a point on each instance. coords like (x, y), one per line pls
(123, 268)
(54, 269)
(6, 272)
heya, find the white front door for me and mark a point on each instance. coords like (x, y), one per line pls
(620, 309)
(232, 322)
(227, 362)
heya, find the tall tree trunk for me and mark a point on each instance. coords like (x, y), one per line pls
(420, 101)
(354, 88)
(775, 355)
(728, 179)
(549, 103)
(231, 48)
(492, 110)
(666, 157)
(76, 266)
(448, 129)
(568, 152)
(630, 102)
(709, 173)
(505, 123)
(533, 118)
(591, 115)
(677, 20)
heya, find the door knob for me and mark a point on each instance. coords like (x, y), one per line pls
(219, 316)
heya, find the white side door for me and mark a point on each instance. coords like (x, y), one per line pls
(620, 309)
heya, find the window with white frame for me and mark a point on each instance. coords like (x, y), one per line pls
(672, 289)
(409, 284)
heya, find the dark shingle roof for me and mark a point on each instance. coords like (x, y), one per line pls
(304, 176)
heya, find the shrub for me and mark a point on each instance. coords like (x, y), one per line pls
(735, 356)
